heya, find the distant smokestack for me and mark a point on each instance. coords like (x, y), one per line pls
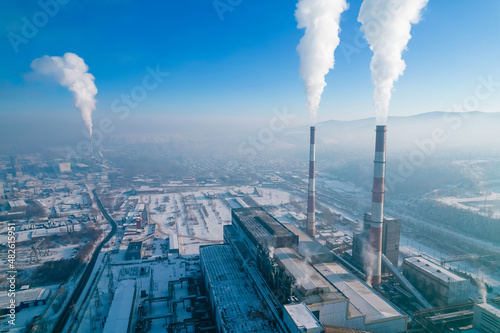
(378, 204)
(311, 197)
(91, 149)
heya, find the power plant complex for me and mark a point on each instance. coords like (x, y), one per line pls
(191, 226)
(280, 279)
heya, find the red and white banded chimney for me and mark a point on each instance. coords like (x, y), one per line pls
(377, 217)
(311, 197)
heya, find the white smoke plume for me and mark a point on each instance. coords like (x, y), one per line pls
(481, 288)
(320, 18)
(386, 25)
(368, 262)
(271, 251)
(71, 71)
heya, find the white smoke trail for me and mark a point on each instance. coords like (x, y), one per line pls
(71, 71)
(316, 49)
(482, 291)
(386, 25)
(368, 261)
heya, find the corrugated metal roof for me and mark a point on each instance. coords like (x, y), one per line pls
(236, 299)
(433, 269)
(307, 278)
(364, 299)
(302, 316)
(119, 313)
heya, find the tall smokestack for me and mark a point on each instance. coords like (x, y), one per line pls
(378, 204)
(311, 197)
(91, 149)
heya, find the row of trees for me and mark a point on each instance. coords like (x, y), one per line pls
(467, 222)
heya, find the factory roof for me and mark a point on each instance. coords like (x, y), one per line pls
(302, 316)
(491, 308)
(261, 224)
(307, 246)
(120, 310)
(235, 298)
(361, 297)
(17, 204)
(307, 278)
(434, 269)
(233, 203)
(24, 296)
(134, 247)
(173, 242)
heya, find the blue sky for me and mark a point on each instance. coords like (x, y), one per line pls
(245, 64)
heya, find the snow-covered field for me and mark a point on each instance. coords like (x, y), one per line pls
(488, 205)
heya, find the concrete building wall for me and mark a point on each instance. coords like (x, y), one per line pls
(333, 314)
(304, 322)
(435, 290)
(393, 326)
(391, 233)
(390, 244)
(487, 318)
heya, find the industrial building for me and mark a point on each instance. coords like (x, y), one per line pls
(26, 298)
(64, 167)
(437, 284)
(366, 310)
(256, 226)
(305, 273)
(234, 299)
(338, 298)
(17, 205)
(308, 248)
(299, 319)
(134, 251)
(173, 244)
(120, 313)
(487, 318)
(391, 232)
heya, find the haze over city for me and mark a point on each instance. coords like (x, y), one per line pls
(250, 166)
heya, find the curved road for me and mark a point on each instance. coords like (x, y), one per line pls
(63, 319)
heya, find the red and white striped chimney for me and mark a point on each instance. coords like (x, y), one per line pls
(311, 197)
(378, 204)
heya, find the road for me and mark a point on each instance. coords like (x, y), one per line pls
(66, 313)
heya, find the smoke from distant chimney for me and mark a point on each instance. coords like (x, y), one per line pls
(386, 25)
(71, 71)
(320, 18)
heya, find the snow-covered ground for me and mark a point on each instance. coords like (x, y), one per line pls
(490, 202)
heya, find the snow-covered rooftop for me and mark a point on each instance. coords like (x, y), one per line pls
(120, 310)
(307, 278)
(235, 298)
(24, 296)
(360, 296)
(491, 308)
(302, 317)
(433, 269)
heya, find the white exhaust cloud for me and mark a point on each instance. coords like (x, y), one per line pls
(320, 18)
(386, 25)
(71, 72)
